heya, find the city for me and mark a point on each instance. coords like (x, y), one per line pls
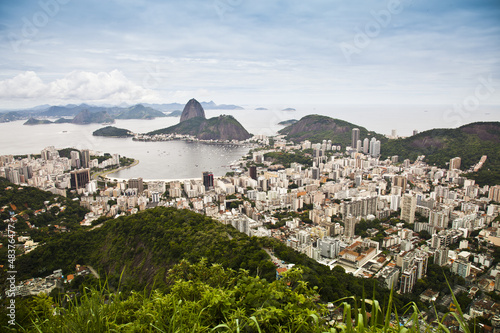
(381, 219)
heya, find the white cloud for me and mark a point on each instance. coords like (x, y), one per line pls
(110, 87)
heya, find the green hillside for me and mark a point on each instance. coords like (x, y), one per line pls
(469, 142)
(317, 128)
(224, 127)
(111, 131)
(33, 121)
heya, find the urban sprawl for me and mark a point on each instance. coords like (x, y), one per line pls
(342, 189)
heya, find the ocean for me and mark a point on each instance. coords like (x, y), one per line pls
(183, 160)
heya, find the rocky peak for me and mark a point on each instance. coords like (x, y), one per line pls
(192, 109)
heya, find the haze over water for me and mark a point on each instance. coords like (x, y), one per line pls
(181, 160)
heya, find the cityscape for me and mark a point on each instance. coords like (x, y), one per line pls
(250, 166)
(416, 211)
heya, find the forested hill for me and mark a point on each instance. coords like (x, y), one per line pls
(469, 142)
(316, 128)
(146, 245)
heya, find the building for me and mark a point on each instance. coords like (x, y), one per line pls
(439, 219)
(85, 160)
(374, 147)
(408, 280)
(252, 171)
(136, 183)
(75, 159)
(80, 178)
(494, 193)
(355, 138)
(329, 247)
(408, 207)
(461, 267)
(208, 180)
(350, 226)
(390, 277)
(455, 163)
(400, 181)
(441, 257)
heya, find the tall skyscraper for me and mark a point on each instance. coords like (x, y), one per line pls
(80, 178)
(85, 160)
(350, 226)
(253, 172)
(208, 180)
(408, 207)
(366, 146)
(355, 138)
(374, 147)
(75, 159)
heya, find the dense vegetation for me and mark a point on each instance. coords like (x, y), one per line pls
(144, 246)
(468, 142)
(316, 128)
(286, 159)
(111, 131)
(31, 208)
(33, 121)
(199, 298)
(209, 298)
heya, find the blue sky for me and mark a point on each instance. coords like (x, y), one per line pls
(249, 52)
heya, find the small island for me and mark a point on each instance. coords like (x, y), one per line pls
(289, 109)
(288, 122)
(261, 109)
(33, 121)
(113, 132)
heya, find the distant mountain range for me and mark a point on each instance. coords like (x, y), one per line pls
(206, 105)
(139, 111)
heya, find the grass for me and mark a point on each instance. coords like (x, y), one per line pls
(245, 304)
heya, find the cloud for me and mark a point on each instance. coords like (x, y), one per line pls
(110, 86)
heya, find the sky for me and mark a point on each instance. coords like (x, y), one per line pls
(244, 52)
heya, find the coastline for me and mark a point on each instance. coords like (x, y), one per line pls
(104, 174)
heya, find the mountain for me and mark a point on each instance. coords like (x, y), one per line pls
(33, 121)
(212, 106)
(165, 107)
(220, 128)
(193, 122)
(192, 109)
(261, 109)
(316, 128)
(147, 245)
(137, 252)
(70, 110)
(288, 122)
(110, 131)
(63, 121)
(6, 117)
(139, 111)
(289, 109)
(176, 113)
(86, 117)
(469, 142)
